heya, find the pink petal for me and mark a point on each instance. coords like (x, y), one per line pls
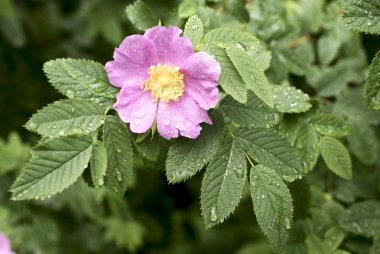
(170, 47)
(182, 117)
(136, 107)
(201, 72)
(154, 31)
(131, 60)
(5, 245)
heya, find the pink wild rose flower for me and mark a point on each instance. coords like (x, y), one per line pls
(163, 79)
(5, 245)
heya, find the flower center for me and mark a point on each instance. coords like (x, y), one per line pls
(165, 83)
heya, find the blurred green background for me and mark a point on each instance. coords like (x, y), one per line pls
(153, 217)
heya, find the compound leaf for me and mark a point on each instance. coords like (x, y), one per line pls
(55, 165)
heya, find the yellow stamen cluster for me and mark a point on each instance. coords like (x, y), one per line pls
(165, 83)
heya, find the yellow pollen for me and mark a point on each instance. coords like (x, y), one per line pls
(165, 83)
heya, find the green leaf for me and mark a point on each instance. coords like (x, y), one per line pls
(223, 182)
(229, 80)
(82, 79)
(314, 245)
(188, 8)
(362, 218)
(125, 234)
(336, 157)
(149, 147)
(254, 113)
(363, 16)
(252, 74)
(333, 80)
(186, 156)
(10, 25)
(372, 84)
(330, 125)
(290, 100)
(119, 154)
(290, 125)
(55, 165)
(363, 142)
(98, 163)
(308, 146)
(194, 30)
(141, 15)
(67, 117)
(271, 150)
(272, 203)
(296, 60)
(13, 153)
(333, 238)
(375, 249)
(241, 40)
(350, 105)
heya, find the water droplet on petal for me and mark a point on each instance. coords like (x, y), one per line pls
(166, 122)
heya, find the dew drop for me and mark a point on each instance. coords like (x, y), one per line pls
(166, 122)
(239, 173)
(119, 176)
(287, 223)
(213, 215)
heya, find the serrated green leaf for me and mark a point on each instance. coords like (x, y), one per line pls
(290, 100)
(363, 15)
(119, 154)
(372, 84)
(308, 146)
(67, 117)
(330, 125)
(194, 30)
(141, 15)
(226, 35)
(230, 80)
(272, 203)
(362, 218)
(254, 113)
(290, 125)
(252, 74)
(83, 79)
(269, 149)
(223, 182)
(241, 40)
(363, 142)
(336, 157)
(186, 157)
(149, 147)
(98, 163)
(55, 165)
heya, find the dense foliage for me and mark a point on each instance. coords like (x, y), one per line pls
(290, 165)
